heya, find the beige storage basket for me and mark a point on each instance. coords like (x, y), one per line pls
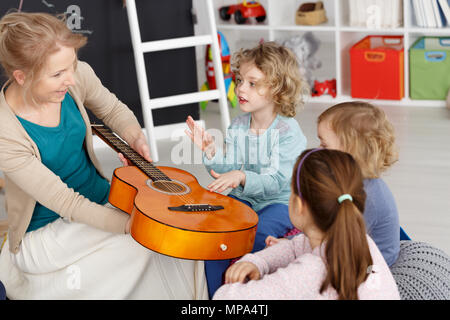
(311, 13)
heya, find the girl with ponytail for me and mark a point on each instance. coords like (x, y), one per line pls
(333, 258)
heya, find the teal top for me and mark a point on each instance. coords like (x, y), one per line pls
(62, 151)
(267, 159)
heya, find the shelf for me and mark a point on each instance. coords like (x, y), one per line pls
(374, 31)
(244, 27)
(405, 101)
(249, 27)
(336, 36)
(304, 28)
(430, 31)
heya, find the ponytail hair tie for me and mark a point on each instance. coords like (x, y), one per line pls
(343, 197)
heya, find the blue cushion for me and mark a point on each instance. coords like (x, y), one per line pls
(403, 235)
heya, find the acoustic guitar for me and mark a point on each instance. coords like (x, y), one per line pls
(172, 214)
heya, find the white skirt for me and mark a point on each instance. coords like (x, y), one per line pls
(68, 260)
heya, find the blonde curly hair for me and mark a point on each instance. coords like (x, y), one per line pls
(280, 67)
(365, 132)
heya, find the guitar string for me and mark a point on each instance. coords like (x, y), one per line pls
(148, 168)
(154, 173)
(144, 165)
(158, 175)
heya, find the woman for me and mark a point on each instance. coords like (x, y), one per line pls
(62, 233)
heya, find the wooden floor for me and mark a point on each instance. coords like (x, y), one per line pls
(420, 181)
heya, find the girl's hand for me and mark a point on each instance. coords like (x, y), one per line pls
(200, 137)
(241, 271)
(227, 180)
(271, 240)
(140, 146)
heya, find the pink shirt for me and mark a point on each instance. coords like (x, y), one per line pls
(292, 270)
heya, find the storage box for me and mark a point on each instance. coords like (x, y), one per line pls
(429, 68)
(311, 14)
(376, 65)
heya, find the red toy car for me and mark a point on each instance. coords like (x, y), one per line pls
(326, 87)
(243, 11)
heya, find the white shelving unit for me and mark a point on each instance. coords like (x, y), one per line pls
(336, 35)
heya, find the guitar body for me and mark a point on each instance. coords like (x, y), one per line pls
(201, 235)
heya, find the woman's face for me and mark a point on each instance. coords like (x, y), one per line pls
(56, 77)
(328, 138)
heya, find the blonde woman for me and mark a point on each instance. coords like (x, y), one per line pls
(364, 131)
(261, 145)
(64, 241)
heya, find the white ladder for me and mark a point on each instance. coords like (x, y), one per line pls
(148, 104)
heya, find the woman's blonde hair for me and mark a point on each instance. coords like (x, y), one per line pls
(364, 131)
(281, 69)
(27, 39)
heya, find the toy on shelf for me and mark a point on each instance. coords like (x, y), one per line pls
(311, 14)
(305, 47)
(243, 11)
(210, 83)
(326, 87)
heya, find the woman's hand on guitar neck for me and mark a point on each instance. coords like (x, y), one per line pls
(140, 146)
(200, 138)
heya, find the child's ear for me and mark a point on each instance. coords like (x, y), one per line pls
(299, 204)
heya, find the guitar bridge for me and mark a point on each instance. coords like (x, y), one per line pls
(196, 208)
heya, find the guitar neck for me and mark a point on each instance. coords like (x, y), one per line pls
(116, 143)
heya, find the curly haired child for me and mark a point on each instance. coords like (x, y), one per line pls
(261, 145)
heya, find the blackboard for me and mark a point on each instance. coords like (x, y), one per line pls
(109, 49)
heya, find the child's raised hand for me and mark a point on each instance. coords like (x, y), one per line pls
(242, 271)
(200, 137)
(231, 179)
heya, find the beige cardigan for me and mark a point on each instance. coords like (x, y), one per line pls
(28, 180)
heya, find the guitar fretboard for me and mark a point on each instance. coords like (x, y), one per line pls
(135, 158)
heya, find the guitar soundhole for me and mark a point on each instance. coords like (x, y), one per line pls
(169, 187)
